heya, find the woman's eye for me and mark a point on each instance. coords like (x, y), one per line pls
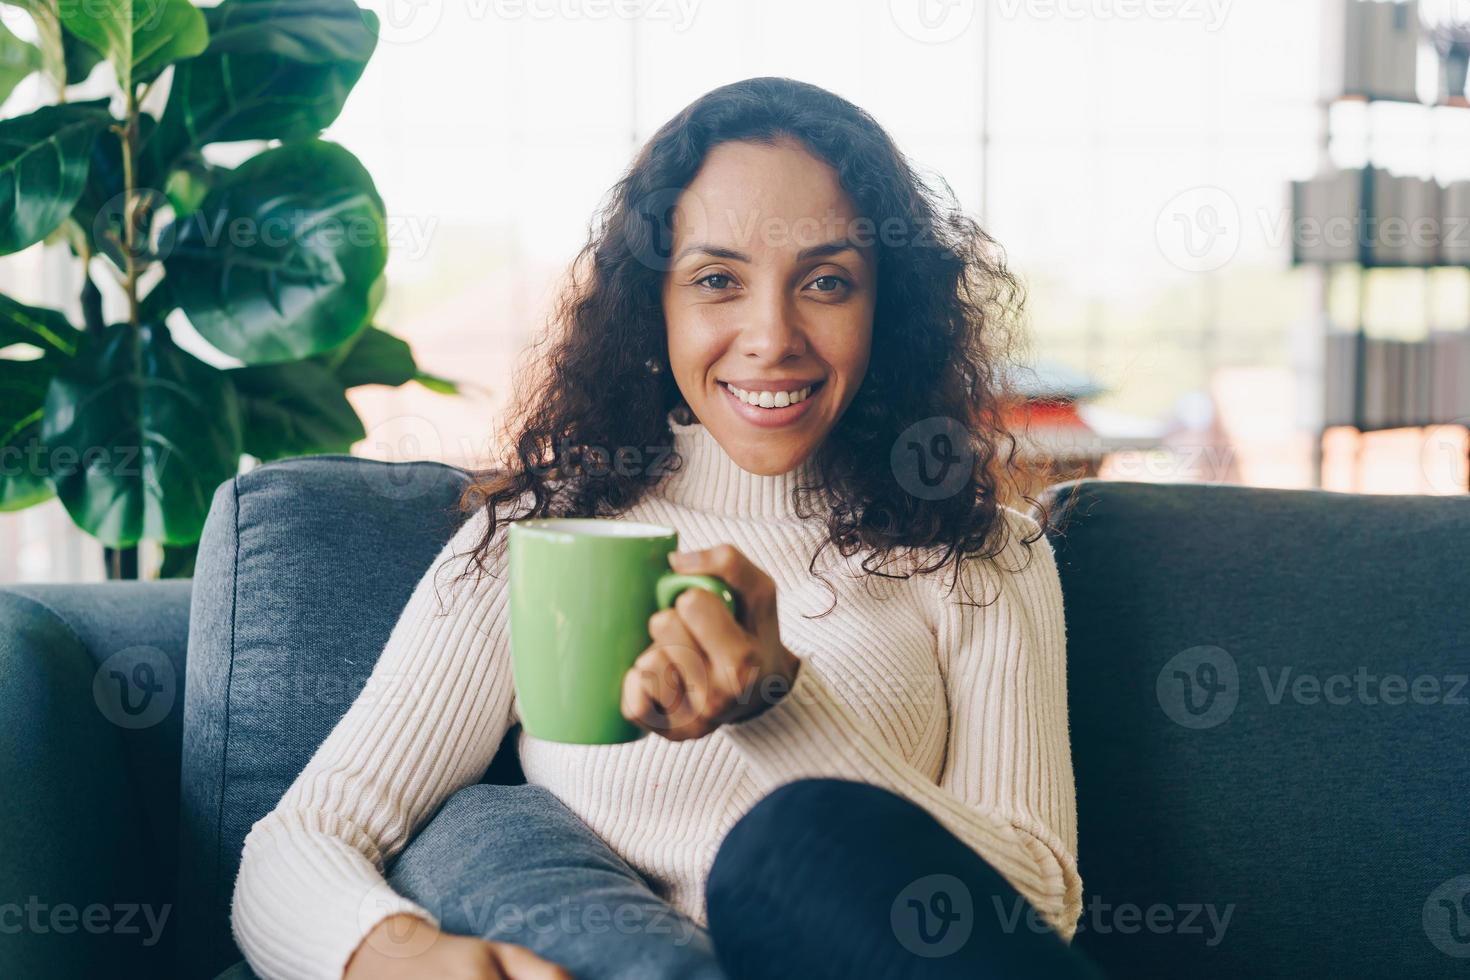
(707, 282)
(833, 283)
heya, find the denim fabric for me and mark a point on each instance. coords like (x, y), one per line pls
(828, 879)
(1227, 762)
(806, 885)
(513, 864)
(91, 701)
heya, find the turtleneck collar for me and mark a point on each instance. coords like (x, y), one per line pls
(709, 480)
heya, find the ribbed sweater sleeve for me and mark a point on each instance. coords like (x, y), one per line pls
(1007, 787)
(427, 723)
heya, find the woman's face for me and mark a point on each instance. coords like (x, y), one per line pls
(767, 302)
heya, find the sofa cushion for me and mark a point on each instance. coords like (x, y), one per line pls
(1270, 722)
(304, 567)
(91, 700)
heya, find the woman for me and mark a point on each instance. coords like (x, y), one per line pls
(868, 773)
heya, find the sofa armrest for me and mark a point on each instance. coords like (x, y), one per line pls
(91, 692)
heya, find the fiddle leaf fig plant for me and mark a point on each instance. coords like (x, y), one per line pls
(277, 262)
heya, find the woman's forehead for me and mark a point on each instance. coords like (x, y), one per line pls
(743, 186)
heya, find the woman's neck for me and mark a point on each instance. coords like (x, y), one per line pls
(710, 480)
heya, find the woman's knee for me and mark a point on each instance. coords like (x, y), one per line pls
(481, 799)
(818, 828)
(793, 819)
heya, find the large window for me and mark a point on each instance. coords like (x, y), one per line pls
(1134, 159)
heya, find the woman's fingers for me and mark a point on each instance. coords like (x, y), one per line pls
(733, 658)
(756, 589)
(727, 661)
(667, 692)
(692, 713)
(705, 668)
(519, 963)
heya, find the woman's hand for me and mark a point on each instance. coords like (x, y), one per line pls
(704, 669)
(405, 946)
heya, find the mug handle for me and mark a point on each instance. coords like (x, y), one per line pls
(672, 583)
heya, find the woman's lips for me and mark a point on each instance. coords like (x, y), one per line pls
(772, 418)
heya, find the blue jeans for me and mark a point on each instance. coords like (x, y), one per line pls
(821, 878)
(513, 864)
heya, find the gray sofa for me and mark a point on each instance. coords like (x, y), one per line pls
(1270, 725)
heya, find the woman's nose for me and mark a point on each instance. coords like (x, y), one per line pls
(772, 332)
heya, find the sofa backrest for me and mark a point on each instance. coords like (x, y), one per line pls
(303, 568)
(1271, 729)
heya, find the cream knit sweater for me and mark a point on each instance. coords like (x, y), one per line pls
(961, 709)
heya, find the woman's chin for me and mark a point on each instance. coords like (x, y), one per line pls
(763, 452)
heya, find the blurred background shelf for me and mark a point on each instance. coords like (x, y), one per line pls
(1350, 222)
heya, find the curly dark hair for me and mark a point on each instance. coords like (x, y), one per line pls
(944, 327)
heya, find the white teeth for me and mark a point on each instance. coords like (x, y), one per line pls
(770, 399)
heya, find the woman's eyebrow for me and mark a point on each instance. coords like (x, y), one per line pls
(718, 251)
(827, 248)
(814, 251)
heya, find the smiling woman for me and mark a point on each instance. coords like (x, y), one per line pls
(772, 238)
(845, 791)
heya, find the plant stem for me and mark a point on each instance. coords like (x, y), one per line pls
(128, 133)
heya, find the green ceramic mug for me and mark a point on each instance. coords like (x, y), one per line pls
(581, 592)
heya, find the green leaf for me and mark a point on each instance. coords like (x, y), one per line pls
(99, 211)
(376, 295)
(435, 383)
(44, 159)
(294, 409)
(279, 262)
(140, 434)
(18, 59)
(46, 329)
(187, 187)
(372, 357)
(309, 31)
(79, 57)
(23, 466)
(139, 37)
(158, 304)
(274, 70)
(175, 30)
(376, 357)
